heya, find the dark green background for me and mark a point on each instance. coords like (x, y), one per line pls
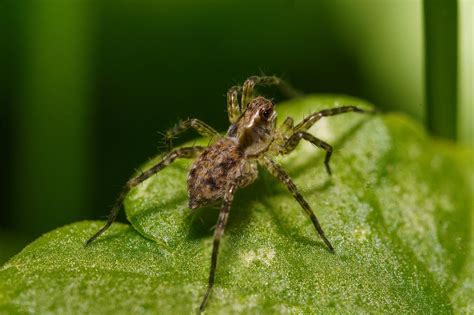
(86, 86)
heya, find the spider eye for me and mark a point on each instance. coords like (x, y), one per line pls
(266, 114)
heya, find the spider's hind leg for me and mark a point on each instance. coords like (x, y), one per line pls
(188, 152)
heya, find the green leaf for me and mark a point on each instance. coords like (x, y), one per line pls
(398, 210)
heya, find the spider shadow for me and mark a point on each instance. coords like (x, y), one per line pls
(283, 224)
(153, 208)
(203, 220)
(104, 239)
(114, 237)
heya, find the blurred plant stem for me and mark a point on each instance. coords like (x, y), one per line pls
(53, 121)
(441, 61)
(466, 72)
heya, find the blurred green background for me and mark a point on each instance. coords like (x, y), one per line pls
(86, 86)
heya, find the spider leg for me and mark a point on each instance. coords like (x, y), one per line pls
(233, 107)
(188, 152)
(309, 121)
(221, 222)
(277, 171)
(293, 141)
(287, 126)
(250, 83)
(201, 127)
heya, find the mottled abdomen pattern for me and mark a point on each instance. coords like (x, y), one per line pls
(218, 166)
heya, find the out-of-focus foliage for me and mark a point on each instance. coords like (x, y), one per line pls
(86, 86)
(10, 244)
(398, 210)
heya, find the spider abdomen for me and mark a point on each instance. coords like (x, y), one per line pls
(216, 167)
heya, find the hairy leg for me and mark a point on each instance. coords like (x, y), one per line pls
(277, 171)
(293, 141)
(188, 152)
(221, 222)
(250, 83)
(233, 107)
(309, 121)
(201, 127)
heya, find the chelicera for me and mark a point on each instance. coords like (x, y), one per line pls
(230, 161)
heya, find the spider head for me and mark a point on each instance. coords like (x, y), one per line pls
(254, 129)
(260, 112)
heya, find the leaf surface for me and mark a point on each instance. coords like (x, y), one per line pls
(398, 209)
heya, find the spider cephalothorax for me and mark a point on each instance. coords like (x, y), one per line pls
(231, 160)
(254, 130)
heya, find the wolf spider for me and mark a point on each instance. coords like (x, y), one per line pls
(230, 162)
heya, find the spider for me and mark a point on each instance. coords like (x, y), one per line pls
(230, 161)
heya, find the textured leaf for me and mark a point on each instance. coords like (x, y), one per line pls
(398, 210)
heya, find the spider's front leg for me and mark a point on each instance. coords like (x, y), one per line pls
(291, 135)
(221, 222)
(294, 139)
(201, 127)
(188, 152)
(233, 107)
(277, 171)
(310, 120)
(250, 83)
